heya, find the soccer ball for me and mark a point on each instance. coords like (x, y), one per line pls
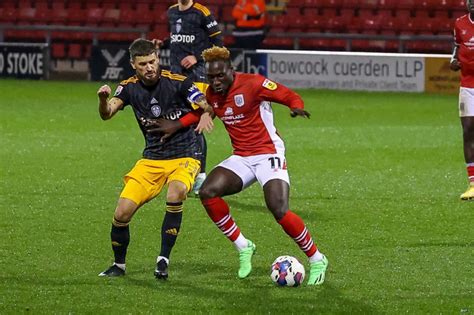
(287, 271)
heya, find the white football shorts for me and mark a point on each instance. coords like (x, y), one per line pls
(261, 168)
(466, 102)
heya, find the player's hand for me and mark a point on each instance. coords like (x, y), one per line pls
(205, 123)
(104, 92)
(164, 126)
(299, 112)
(188, 61)
(455, 65)
(157, 42)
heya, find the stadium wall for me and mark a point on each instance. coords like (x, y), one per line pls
(354, 71)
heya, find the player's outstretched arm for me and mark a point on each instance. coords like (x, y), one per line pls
(108, 107)
(455, 65)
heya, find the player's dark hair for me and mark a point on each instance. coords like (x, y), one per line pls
(216, 53)
(141, 47)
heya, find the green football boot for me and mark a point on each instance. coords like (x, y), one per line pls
(317, 271)
(245, 258)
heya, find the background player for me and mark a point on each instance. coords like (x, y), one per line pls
(463, 59)
(242, 102)
(152, 94)
(193, 29)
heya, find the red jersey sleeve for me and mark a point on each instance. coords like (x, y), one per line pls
(276, 92)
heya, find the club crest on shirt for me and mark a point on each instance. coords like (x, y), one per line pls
(269, 85)
(118, 90)
(229, 111)
(156, 110)
(239, 100)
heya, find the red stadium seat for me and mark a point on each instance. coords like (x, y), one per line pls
(279, 23)
(44, 15)
(315, 44)
(441, 14)
(26, 14)
(58, 5)
(295, 4)
(111, 16)
(74, 51)
(94, 16)
(366, 13)
(403, 14)
(22, 4)
(458, 5)
(75, 5)
(226, 15)
(59, 16)
(58, 50)
(311, 3)
(314, 23)
(292, 11)
(77, 16)
(9, 15)
(350, 4)
(406, 4)
(329, 12)
(298, 24)
(368, 4)
(387, 4)
(458, 14)
(335, 4)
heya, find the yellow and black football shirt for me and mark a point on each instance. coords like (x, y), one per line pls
(168, 99)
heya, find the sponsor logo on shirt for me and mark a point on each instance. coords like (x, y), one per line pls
(178, 38)
(239, 100)
(228, 111)
(210, 25)
(269, 85)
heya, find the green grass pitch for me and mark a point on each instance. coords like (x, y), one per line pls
(376, 177)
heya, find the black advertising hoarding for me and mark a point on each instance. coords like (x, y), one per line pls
(24, 60)
(110, 63)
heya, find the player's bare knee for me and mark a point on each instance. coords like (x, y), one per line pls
(206, 192)
(279, 213)
(176, 195)
(123, 214)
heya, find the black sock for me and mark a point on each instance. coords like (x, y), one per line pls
(170, 227)
(120, 236)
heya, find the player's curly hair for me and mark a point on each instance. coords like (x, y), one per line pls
(216, 53)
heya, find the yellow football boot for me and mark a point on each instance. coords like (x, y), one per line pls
(469, 194)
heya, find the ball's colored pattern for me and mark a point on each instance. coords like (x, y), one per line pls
(287, 271)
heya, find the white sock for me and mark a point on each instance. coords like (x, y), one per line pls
(316, 257)
(201, 176)
(241, 242)
(162, 257)
(121, 266)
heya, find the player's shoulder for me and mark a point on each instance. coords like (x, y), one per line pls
(132, 80)
(172, 76)
(463, 19)
(250, 78)
(174, 7)
(201, 8)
